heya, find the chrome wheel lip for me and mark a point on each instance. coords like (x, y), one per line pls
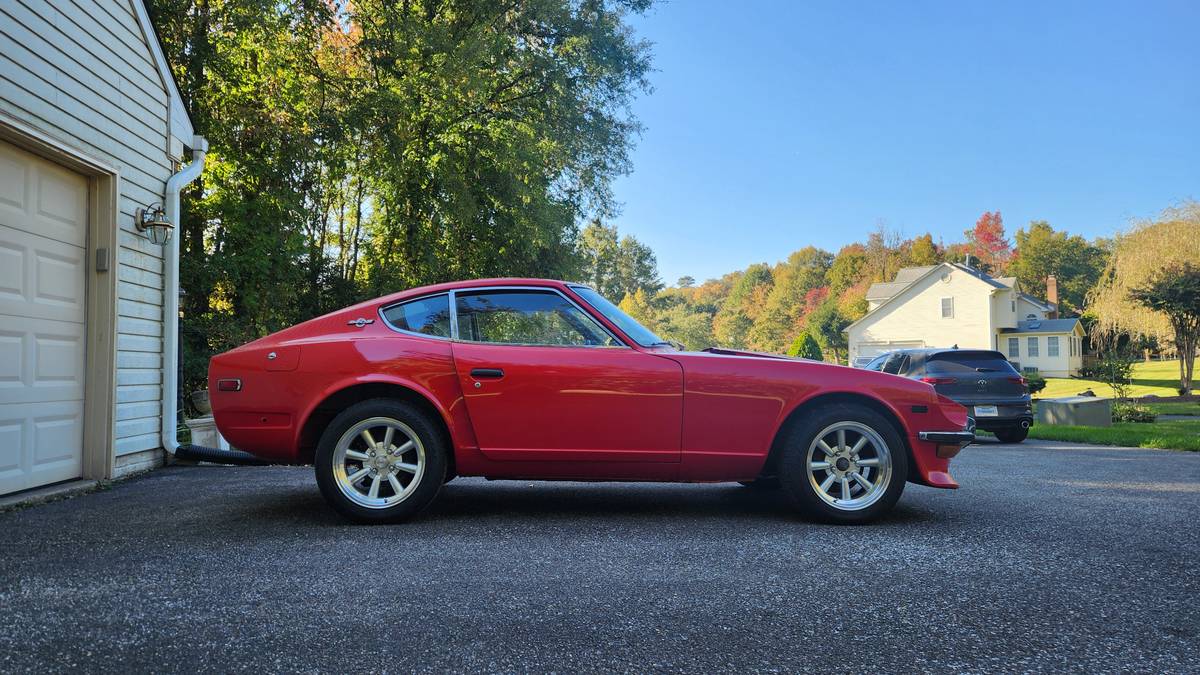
(402, 435)
(821, 468)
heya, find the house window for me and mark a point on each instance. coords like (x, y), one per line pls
(1014, 348)
(1052, 345)
(947, 308)
(1014, 306)
(1031, 346)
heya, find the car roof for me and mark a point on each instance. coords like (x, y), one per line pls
(929, 351)
(460, 285)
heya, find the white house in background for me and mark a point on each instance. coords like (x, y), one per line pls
(951, 304)
(92, 133)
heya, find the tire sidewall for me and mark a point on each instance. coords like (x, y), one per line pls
(794, 470)
(436, 460)
(1012, 435)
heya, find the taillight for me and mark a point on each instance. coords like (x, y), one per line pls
(1019, 380)
(939, 380)
(229, 385)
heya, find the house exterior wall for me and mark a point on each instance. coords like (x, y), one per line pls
(1025, 308)
(1004, 309)
(1062, 365)
(914, 315)
(82, 71)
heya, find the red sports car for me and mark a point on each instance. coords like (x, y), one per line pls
(548, 380)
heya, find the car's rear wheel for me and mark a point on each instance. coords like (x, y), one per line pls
(1013, 435)
(381, 461)
(844, 463)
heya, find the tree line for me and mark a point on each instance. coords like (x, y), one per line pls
(803, 304)
(1135, 293)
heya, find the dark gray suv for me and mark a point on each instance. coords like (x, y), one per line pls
(993, 392)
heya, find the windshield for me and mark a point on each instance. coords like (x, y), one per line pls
(628, 325)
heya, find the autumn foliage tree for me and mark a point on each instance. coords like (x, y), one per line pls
(988, 243)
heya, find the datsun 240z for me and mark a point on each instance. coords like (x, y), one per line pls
(548, 380)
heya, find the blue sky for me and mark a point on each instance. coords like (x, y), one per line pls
(775, 125)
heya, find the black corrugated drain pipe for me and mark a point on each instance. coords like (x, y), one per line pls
(200, 453)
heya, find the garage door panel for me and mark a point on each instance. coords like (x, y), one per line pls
(43, 272)
(62, 204)
(41, 278)
(43, 362)
(39, 444)
(41, 198)
(14, 180)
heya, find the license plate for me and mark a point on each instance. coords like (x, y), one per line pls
(986, 411)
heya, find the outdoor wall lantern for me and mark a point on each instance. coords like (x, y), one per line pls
(153, 221)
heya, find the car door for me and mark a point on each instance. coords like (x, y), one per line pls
(543, 380)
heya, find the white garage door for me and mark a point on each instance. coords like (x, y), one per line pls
(43, 254)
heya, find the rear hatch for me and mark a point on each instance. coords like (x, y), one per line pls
(970, 376)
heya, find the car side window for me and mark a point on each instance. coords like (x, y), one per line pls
(895, 363)
(521, 317)
(876, 363)
(428, 316)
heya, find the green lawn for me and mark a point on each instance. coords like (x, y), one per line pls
(1174, 407)
(1160, 378)
(1174, 434)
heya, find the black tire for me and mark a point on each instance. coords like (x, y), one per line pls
(764, 483)
(1012, 435)
(432, 442)
(799, 485)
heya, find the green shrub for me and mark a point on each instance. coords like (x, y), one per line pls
(1035, 382)
(1132, 412)
(806, 347)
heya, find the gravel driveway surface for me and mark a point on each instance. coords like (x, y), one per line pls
(1052, 556)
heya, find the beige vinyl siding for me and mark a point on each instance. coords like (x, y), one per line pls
(915, 314)
(1025, 308)
(1063, 364)
(81, 71)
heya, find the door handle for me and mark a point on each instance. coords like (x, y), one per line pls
(492, 373)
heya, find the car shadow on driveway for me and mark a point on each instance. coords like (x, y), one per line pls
(515, 502)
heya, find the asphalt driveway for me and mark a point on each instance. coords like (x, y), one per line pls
(1052, 556)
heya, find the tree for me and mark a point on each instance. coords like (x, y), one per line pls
(1075, 263)
(923, 251)
(638, 305)
(988, 243)
(616, 266)
(804, 271)
(848, 268)
(742, 306)
(1175, 292)
(685, 282)
(690, 325)
(805, 347)
(1136, 264)
(828, 325)
(360, 148)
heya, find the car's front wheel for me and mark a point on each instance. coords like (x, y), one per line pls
(380, 461)
(844, 463)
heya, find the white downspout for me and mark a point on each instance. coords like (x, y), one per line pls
(170, 357)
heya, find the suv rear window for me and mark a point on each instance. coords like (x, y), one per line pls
(968, 362)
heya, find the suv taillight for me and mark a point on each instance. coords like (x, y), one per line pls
(939, 380)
